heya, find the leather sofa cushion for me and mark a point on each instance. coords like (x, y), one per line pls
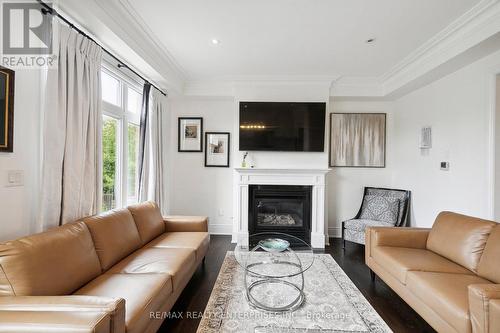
(143, 293)
(50, 321)
(459, 238)
(147, 217)
(399, 261)
(489, 265)
(56, 262)
(446, 294)
(178, 263)
(115, 236)
(197, 241)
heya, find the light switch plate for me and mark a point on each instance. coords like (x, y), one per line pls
(15, 178)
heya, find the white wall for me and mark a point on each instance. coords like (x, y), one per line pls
(458, 109)
(456, 106)
(282, 92)
(345, 185)
(195, 189)
(18, 205)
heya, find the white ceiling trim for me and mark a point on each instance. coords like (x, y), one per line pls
(426, 63)
(468, 31)
(435, 42)
(151, 36)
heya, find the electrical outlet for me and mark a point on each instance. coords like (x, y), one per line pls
(15, 178)
(221, 212)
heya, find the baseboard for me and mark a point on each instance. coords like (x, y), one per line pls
(220, 229)
(335, 232)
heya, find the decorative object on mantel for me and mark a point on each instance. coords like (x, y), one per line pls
(247, 161)
(244, 162)
(190, 134)
(217, 147)
(357, 140)
(6, 109)
(333, 299)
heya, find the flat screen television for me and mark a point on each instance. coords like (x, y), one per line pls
(278, 126)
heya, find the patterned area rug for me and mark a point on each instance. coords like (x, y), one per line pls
(333, 304)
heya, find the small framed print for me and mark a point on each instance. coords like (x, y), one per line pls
(190, 134)
(217, 146)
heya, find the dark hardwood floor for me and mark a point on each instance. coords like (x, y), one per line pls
(185, 315)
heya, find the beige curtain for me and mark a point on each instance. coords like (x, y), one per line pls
(71, 130)
(153, 178)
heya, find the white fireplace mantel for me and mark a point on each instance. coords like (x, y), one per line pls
(244, 177)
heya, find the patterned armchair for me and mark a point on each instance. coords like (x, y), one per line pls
(380, 207)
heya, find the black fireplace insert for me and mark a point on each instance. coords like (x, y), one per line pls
(280, 208)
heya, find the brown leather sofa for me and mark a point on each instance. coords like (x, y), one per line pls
(115, 272)
(449, 274)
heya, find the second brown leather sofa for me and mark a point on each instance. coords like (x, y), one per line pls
(449, 274)
(115, 272)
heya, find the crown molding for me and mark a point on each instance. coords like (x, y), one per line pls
(118, 30)
(465, 35)
(232, 86)
(473, 35)
(151, 36)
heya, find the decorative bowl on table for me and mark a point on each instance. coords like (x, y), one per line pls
(274, 244)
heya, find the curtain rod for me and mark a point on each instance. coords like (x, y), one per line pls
(51, 11)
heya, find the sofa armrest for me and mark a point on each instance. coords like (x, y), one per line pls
(484, 307)
(395, 236)
(62, 307)
(186, 223)
(54, 321)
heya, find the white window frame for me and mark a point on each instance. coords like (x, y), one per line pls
(124, 117)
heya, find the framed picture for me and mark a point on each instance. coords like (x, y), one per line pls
(357, 140)
(6, 110)
(190, 134)
(217, 146)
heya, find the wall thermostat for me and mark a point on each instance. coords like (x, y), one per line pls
(445, 166)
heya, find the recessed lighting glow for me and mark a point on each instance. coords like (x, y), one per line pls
(215, 41)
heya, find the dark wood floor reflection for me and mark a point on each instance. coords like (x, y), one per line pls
(184, 317)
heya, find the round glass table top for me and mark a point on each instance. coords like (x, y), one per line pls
(274, 255)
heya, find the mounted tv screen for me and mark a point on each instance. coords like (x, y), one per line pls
(273, 126)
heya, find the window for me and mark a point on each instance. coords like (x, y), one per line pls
(121, 99)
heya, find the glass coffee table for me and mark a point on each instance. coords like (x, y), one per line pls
(274, 265)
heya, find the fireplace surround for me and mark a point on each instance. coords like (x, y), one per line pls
(245, 178)
(280, 208)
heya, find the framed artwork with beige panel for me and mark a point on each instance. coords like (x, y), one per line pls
(357, 140)
(6, 110)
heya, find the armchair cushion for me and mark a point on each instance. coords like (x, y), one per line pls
(380, 208)
(355, 229)
(362, 224)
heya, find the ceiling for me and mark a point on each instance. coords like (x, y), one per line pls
(283, 38)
